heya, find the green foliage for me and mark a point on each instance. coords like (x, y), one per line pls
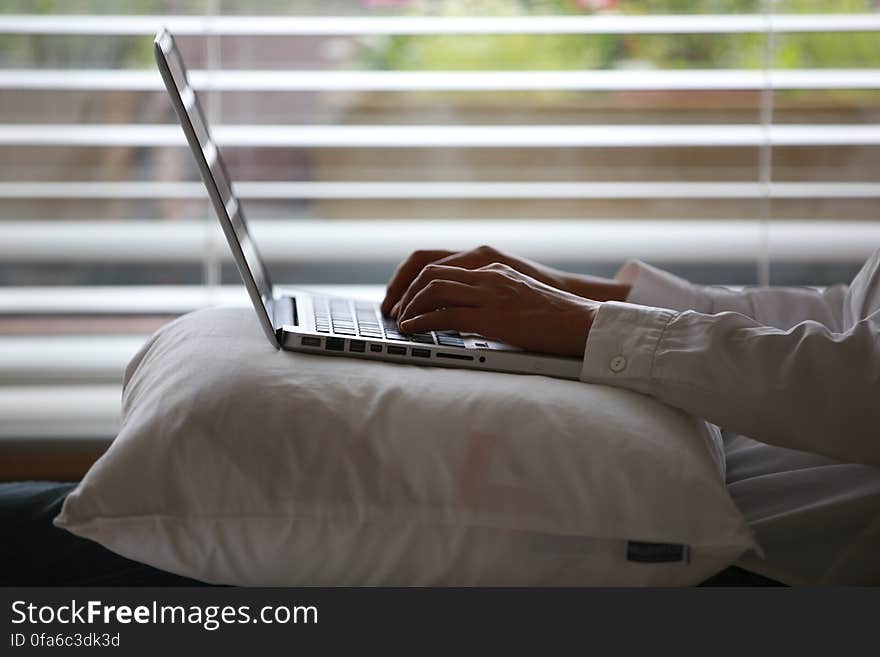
(661, 51)
(75, 51)
(104, 6)
(483, 52)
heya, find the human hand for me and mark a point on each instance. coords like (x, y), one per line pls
(481, 256)
(589, 287)
(500, 303)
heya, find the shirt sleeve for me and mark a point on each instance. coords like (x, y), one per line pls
(807, 387)
(781, 307)
(792, 367)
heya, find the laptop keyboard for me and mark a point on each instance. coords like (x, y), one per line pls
(357, 318)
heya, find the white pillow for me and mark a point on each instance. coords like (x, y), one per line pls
(240, 464)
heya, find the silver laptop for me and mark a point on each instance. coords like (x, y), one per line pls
(332, 326)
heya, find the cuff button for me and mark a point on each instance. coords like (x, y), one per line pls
(617, 364)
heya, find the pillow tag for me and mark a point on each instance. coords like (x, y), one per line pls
(644, 552)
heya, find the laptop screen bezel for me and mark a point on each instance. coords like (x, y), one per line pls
(259, 286)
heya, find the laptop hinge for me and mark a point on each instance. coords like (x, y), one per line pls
(284, 312)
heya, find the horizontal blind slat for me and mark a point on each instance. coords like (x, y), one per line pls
(372, 240)
(448, 136)
(59, 411)
(368, 25)
(479, 81)
(272, 190)
(65, 358)
(99, 300)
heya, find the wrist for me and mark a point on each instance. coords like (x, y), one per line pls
(578, 328)
(622, 293)
(595, 287)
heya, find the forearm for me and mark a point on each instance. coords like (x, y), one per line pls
(781, 307)
(805, 388)
(593, 287)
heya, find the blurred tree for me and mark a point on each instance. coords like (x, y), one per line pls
(486, 52)
(662, 51)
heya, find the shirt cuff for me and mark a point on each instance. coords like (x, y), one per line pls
(622, 342)
(651, 286)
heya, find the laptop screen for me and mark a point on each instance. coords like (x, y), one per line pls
(214, 174)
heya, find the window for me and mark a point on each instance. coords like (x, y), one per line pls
(734, 141)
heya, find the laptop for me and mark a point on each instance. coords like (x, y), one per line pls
(298, 320)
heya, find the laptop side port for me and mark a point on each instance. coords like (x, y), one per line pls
(335, 344)
(441, 354)
(357, 345)
(421, 353)
(396, 351)
(308, 341)
(377, 348)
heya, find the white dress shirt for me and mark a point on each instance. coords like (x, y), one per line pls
(797, 371)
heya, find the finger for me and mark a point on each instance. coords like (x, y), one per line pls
(465, 320)
(406, 272)
(442, 294)
(433, 272)
(469, 259)
(464, 259)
